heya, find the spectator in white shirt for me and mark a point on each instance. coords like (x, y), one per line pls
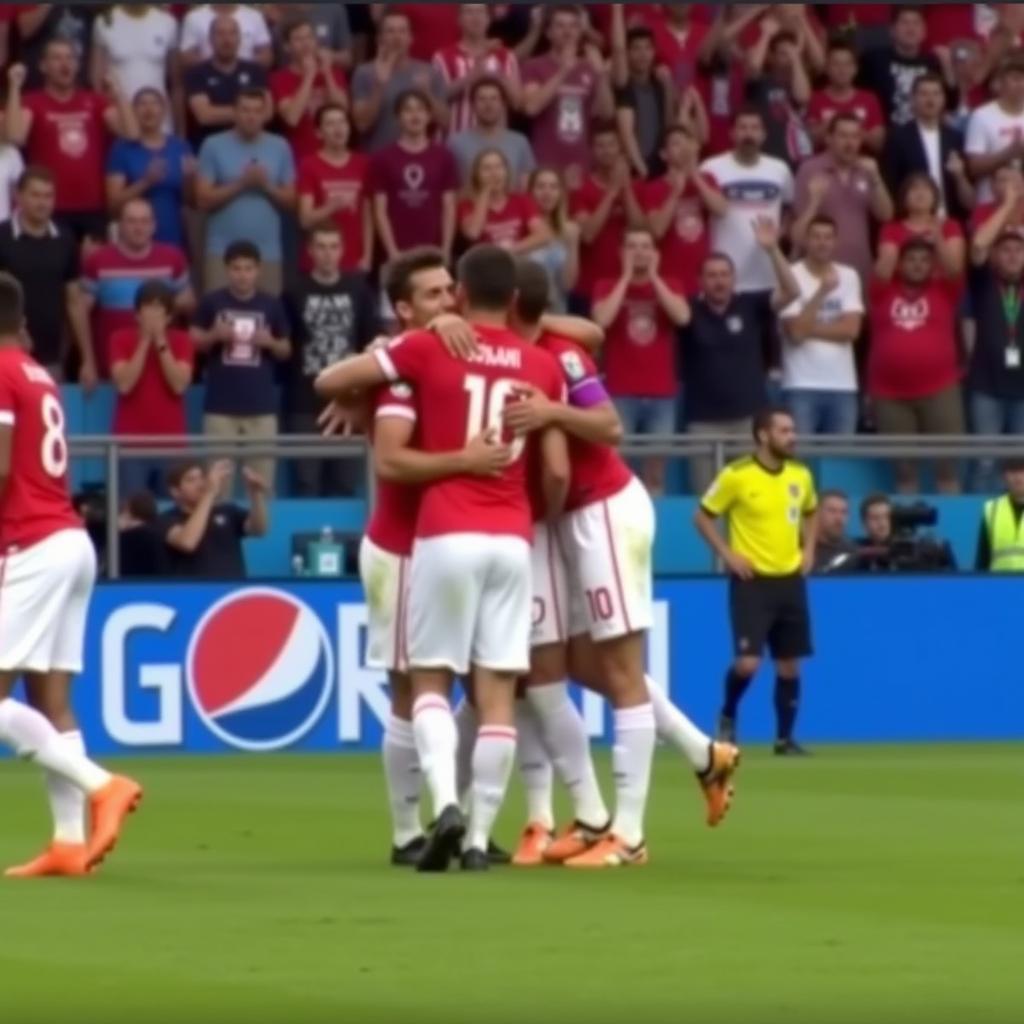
(820, 329)
(995, 133)
(756, 186)
(257, 44)
(11, 167)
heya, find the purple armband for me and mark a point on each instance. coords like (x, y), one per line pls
(588, 393)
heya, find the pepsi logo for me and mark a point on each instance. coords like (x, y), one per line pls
(260, 670)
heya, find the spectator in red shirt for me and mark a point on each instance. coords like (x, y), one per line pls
(434, 26)
(606, 204)
(475, 58)
(494, 213)
(151, 367)
(914, 367)
(307, 83)
(562, 92)
(678, 205)
(334, 188)
(415, 182)
(67, 129)
(641, 311)
(840, 96)
(679, 30)
(919, 216)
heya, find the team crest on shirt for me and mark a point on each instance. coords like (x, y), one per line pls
(734, 325)
(794, 491)
(573, 366)
(642, 325)
(72, 139)
(401, 390)
(910, 316)
(414, 176)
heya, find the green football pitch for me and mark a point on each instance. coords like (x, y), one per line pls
(865, 885)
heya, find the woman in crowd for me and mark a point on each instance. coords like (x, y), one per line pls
(560, 255)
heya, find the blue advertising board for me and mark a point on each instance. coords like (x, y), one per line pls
(213, 668)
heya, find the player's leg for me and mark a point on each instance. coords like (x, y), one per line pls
(537, 775)
(789, 641)
(751, 617)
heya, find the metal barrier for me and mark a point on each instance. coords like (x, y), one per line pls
(720, 448)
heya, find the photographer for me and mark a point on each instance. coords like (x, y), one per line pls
(892, 542)
(1001, 537)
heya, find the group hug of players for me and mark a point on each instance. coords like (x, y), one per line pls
(510, 548)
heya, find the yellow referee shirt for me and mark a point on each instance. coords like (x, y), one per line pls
(764, 511)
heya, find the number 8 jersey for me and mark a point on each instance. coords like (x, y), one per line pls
(457, 401)
(36, 502)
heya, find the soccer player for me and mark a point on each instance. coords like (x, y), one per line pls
(47, 573)
(607, 645)
(770, 505)
(470, 588)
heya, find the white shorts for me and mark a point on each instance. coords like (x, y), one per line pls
(550, 589)
(44, 601)
(469, 603)
(609, 547)
(385, 579)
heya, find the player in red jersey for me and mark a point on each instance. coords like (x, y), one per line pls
(470, 593)
(605, 612)
(47, 572)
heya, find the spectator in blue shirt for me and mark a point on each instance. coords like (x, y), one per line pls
(246, 182)
(157, 166)
(244, 332)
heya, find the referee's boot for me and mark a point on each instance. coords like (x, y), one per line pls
(790, 748)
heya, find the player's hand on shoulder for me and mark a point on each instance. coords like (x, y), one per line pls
(529, 411)
(456, 335)
(486, 456)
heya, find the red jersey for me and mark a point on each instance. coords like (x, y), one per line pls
(70, 138)
(898, 232)
(392, 526)
(284, 84)
(948, 23)
(508, 224)
(455, 64)
(640, 355)
(151, 407)
(323, 181)
(862, 104)
(844, 16)
(598, 471)
(458, 400)
(985, 211)
(913, 339)
(687, 242)
(36, 502)
(603, 257)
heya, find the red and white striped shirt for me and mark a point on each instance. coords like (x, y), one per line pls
(455, 64)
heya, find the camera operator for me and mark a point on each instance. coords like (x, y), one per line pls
(892, 542)
(1001, 537)
(836, 552)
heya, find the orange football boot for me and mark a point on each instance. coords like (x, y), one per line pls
(576, 839)
(110, 807)
(534, 842)
(58, 860)
(610, 852)
(716, 782)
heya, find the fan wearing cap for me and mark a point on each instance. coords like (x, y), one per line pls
(1001, 536)
(914, 366)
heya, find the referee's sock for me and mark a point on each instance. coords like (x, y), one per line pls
(735, 687)
(787, 705)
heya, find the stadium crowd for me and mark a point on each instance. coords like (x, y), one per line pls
(213, 189)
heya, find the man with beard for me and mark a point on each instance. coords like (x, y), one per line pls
(769, 503)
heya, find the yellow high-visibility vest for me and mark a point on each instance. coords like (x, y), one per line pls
(1005, 535)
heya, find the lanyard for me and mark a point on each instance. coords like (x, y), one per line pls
(1012, 305)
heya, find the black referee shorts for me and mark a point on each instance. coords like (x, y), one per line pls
(772, 612)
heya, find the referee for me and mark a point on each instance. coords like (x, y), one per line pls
(769, 503)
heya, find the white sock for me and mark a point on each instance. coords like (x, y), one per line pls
(632, 756)
(434, 729)
(31, 736)
(493, 757)
(467, 724)
(404, 781)
(675, 728)
(534, 768)
(568, 746)
(67, 801)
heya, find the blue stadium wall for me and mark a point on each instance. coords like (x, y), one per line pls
(209, 669)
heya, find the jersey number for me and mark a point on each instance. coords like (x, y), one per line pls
(487, 403)
(55, 446)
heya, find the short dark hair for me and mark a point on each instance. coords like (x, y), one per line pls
(179, 471)
(764, 418)
(833, 493)
(331, 108)
(142, 506)
(243, 249)
(873, 501)
(571, 9)
(12, 305)
(292, 25)
(899, 10)
(534, 291)
(748, 111)
(844, 117)
(487, 274)
(399, 273)
(407, 95)
(600, 127)
(1011, 64)
(35, 172)
(912, 181)
(676, 129)
(250, 92)
(639, 32)
(917, 243)
(327, 228)
(928, 78)
(488, 81)
(717, 256)
(393, 12)
(842, 45)
(151, 293)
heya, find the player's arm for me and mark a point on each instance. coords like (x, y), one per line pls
(718, 501)
(809, 527)
(359, 373)
(556, 471)
(576, 328)
(395, 460)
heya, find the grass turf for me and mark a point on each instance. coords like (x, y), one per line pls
(868, 883)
